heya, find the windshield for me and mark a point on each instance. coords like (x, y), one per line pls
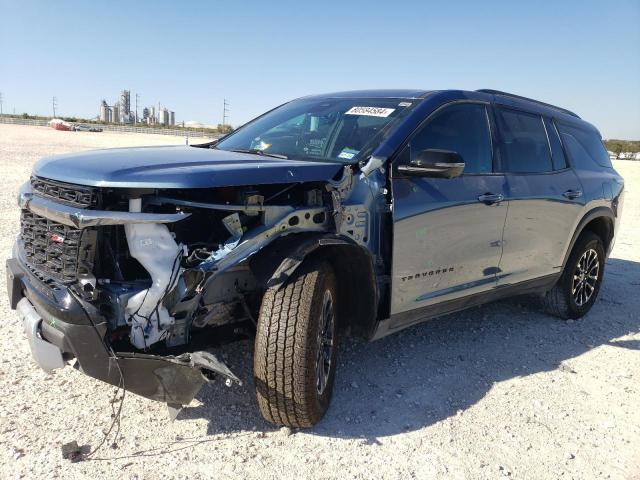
(335, 129)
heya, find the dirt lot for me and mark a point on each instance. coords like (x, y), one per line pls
(500, 390)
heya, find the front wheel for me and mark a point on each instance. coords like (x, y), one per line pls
(295, 351)
(577, 289)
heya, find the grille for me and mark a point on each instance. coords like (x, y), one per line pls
(76, 195)
(55, 250)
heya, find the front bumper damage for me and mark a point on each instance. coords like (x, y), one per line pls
(57, 330)
(63, 323)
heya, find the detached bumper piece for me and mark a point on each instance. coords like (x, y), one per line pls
(52, 336)
(46, 355)
(172, 380)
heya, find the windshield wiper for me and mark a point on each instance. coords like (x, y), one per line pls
(255, 151)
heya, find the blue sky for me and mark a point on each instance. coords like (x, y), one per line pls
(582, 55)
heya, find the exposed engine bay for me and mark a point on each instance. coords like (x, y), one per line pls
(161, 284)
(140, 285)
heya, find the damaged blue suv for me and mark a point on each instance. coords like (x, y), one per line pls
(357, 213)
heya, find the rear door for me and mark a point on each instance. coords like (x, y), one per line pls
(545, 196)
(447, 232)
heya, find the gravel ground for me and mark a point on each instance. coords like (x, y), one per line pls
(497, 391)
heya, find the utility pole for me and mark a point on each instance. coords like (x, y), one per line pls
(0, 103)
(137, 96)
(54, 103)
(225, 111)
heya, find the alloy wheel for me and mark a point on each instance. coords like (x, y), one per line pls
(325, 342)
(585, 277)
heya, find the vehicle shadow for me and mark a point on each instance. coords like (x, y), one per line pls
(432, 371)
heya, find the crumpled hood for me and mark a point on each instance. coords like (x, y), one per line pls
(178, 167)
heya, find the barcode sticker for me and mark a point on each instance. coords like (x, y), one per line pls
(370, 111)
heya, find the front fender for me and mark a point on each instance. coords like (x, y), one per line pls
(352, 264)
(293, 254)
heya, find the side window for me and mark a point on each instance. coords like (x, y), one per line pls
(557, 155)
(462, 128)
(584, 147)
(524, 147)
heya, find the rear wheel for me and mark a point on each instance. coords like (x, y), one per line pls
(295, 350)
(578, 287)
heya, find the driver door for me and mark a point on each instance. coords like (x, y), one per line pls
(447, 237)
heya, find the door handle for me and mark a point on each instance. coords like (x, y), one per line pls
(572, 194)
(491, 198)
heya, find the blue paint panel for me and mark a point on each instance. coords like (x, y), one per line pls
(178, 167)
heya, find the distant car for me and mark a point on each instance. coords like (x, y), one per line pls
(58, 124)
(86, 128)
(354, 213)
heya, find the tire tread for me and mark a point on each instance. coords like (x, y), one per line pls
(281, 366)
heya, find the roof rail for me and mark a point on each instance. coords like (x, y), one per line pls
(505, 94)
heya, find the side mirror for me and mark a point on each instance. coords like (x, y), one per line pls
(434, 163)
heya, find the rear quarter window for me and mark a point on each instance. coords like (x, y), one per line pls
(584, 147)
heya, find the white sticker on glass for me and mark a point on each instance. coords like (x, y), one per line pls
(348, 153)
(370, 111)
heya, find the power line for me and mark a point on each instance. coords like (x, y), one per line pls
(225, 111)
(54, 103)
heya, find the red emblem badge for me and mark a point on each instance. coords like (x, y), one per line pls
(56, 237)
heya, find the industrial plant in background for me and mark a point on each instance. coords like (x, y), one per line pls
(120, 112)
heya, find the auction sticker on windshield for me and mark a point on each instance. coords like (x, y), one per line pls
(370, 111)
(348, 153)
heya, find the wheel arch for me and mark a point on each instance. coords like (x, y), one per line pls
(352, 264)
(600, 221)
